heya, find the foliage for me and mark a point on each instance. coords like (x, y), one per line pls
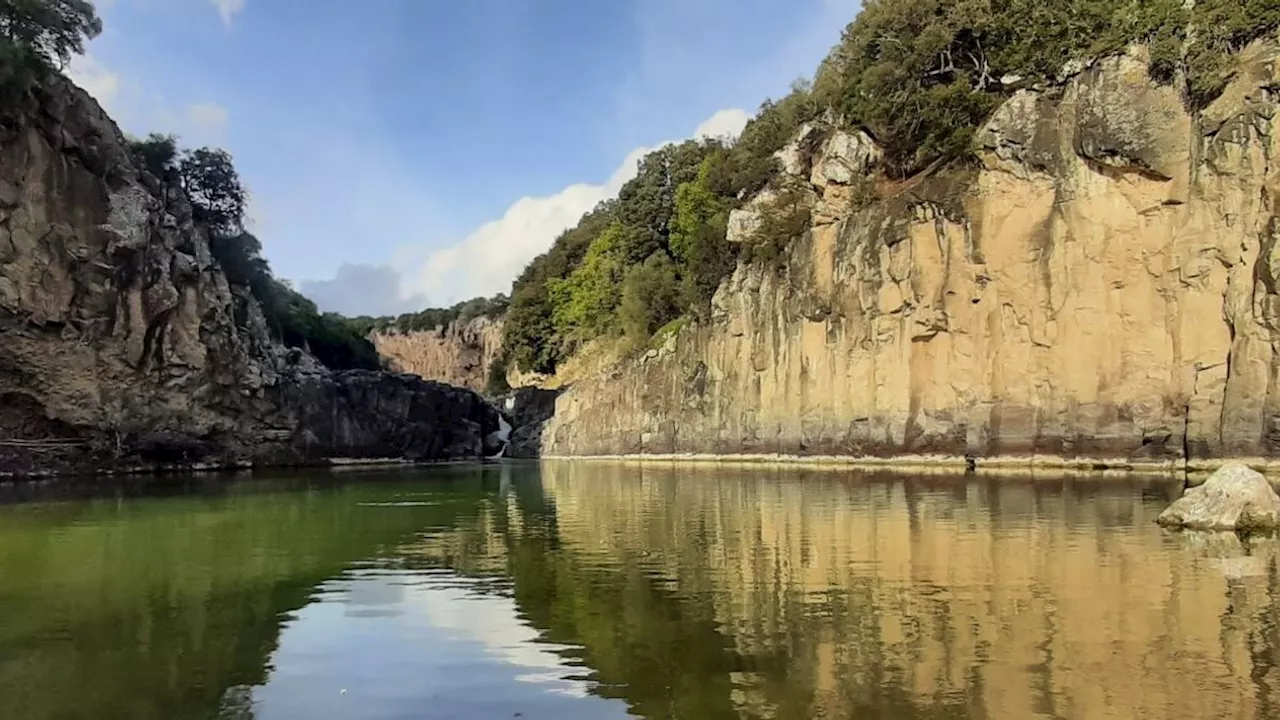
(37, 36)
(157, 154)
(432, 318)
(650, 297)
(291, 318)
(217, 196)
(583, 303)
(783, 219)
(698, 240)
(922, 75)
(50, 30)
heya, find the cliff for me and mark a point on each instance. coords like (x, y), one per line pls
(460, 353)
(122, 342)
(1101, 285)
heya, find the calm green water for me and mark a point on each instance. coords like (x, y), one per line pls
(610, 591)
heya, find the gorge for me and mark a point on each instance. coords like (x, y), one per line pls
(1059, 250)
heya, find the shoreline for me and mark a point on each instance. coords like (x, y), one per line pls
(231, 468)
(1193, 471)
(957, 464)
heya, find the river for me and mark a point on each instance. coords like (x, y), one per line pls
(593, 590)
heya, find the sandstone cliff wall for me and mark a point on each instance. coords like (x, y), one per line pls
(122, 342)
(459, 354)
(1102, 286)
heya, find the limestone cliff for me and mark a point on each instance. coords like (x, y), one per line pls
(121, 341)
(459, 353)
(1103, 284)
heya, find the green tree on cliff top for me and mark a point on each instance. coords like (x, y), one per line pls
(50, 30)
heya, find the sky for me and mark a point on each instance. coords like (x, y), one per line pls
(404, 154)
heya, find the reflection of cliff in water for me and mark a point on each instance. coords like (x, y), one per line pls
(753, 593)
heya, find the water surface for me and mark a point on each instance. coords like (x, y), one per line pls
(611, 591)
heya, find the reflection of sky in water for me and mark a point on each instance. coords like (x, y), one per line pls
(385, 644)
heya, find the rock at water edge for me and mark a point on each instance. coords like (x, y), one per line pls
(1233, 498)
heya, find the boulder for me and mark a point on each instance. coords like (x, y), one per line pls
(1233, 498)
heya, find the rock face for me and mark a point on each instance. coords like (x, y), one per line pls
(359, 413)
(459, 354)
(121, 341)
(1105, 285)
(1234, 498)
(528, 410)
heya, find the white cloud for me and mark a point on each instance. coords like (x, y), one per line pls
(227, 9)
(487, 260)
(139, 112)
(208, 118)
(724, 124)
(100, 82)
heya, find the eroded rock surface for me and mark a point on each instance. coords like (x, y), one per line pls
(1233, 498)
(121, 341)
(459, 354)
(1104, 285)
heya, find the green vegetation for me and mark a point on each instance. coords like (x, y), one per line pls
(431, 318)
(38, 37)
(920, 76)
(218, 202)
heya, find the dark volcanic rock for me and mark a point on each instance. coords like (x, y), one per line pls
(528, 409)
(363, 414)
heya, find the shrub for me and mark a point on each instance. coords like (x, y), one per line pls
(650, 298)
(157, 154)
(36, 37)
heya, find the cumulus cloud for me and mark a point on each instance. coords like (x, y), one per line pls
(140, 112)
(487, 260)
(99, 81)
(724, 124)
(227, 9)
(359, 289)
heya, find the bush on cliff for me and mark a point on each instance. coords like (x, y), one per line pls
(218, 201)
(920, 76)
(432, 318)
(36, 37)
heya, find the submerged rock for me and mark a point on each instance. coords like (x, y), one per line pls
(1233, 498)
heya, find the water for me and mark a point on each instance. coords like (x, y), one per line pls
(611, 591)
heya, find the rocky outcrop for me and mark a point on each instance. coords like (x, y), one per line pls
(1233, 498)
(122, 343)
(1104, 286)
(363, 414)
(528, 409)
(460, 353)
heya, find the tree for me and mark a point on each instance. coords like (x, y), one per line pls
(217, 196)
(157, 154)
(698, 241)
(583, 303)
(650, 297)
(49, 30)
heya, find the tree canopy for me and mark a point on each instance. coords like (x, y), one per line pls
(218, 199)
(50, 30)
(37, 37)
(920, 76)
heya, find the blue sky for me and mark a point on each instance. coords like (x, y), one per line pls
(406, 153)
